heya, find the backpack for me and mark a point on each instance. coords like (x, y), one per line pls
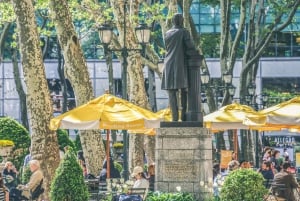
(37, 191)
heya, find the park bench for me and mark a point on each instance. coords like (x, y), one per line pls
(112, 187)
(139, 191)
(93, 186)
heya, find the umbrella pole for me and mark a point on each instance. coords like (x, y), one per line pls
(235, 141)
(107, 154)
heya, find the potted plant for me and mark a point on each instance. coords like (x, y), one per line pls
(245, 185)
(6, 147)
(118, 147)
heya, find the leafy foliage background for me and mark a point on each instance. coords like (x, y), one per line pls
(64, 140)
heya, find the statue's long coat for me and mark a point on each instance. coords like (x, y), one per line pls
(178, 45)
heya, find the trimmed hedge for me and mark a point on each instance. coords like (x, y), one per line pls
(68, 182)
(243, 184)
(12, 130)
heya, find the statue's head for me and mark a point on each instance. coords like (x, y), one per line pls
(178, 20)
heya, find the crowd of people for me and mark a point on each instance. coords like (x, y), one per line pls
(276, 168)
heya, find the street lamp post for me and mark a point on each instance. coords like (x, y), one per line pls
(227, 80)
(227, 85)
(142, 33)
(264, 101)
(251, 100)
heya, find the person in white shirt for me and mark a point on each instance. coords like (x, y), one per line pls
(140, 179)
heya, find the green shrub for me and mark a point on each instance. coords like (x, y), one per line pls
(245, 185)
(26, 175)
(118, 166)
(68, 182)
(161, 196)
(12, 130)
(64, 140)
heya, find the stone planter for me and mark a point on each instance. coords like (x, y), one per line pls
(5, 151)
(119, 151)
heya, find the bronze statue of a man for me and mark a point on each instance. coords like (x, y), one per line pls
(179, 45)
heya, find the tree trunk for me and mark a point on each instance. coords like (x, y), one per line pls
(108, 59)
(136, 88)
(228, 46)
(44, 144)
(230, 138)
(150, 152)
(136, 150)
(3, 35)
(20, 90)
(62, 78)
(152, 90)
(248, 147)
(77, 72)
(137, 95)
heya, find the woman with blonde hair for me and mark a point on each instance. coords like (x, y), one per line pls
(10, 175)
(4, 195)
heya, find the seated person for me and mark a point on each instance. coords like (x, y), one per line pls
(220, 178)
(151, 176)
(245, 164)
(24, 191)
(114, 173)
(140, 183)
(289, 181)
(10, 175)
(266, 170)
(4, 195)
(140, 179)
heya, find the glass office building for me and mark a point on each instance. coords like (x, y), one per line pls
(284, 44)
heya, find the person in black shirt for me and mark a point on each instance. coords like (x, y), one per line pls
(10, 175)
(266, 170)
(114, 173)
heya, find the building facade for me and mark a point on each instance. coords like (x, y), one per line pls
(284, 70)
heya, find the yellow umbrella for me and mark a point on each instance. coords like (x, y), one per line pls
(164, 114)
(280, 116)
(106, 112)
(228, 117)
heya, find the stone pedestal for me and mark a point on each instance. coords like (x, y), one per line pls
(184, 159)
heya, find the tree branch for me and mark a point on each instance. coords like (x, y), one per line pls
(266, 40)
(239, 34)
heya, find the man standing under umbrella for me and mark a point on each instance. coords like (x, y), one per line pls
(175, 73)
